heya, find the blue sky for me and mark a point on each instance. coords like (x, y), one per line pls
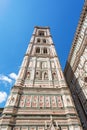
(17, 21)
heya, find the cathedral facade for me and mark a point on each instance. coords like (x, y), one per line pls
(76, 68)
(40, 98)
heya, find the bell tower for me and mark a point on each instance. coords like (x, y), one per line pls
(40, 98)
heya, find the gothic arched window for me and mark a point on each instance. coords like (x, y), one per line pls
(45, 75)
(37, 75)
(54, 75)
(45, 50)
(28, 75)
(37, 50)
(38, 40)
(44, 40)
(41, 33)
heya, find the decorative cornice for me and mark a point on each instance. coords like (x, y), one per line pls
(41, 27)
(78, 30)
(42, 36)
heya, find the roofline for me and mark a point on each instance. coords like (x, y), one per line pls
(41, 27)
(76, 36)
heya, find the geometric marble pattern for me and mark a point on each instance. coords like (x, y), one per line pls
(40, 91)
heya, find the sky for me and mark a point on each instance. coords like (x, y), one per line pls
(17, 21)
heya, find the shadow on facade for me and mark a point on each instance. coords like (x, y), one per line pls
(1, 110)
(77, 94)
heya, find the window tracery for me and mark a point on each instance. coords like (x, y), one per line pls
(45, 50)
(44, 40)
(41, 33)
(38, 50)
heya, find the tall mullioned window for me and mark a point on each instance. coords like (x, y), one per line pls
(41, 33)
(38, 40)
(37, 50)
(45, 50)
(44, 40)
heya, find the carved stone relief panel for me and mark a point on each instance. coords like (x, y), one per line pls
(40, 128)
(47, 101)
(12, 100)
(16, 128)
(28, 101)
(41, 101)
(32, 128)
(24, 128)
(59, 101)
(53, 101)
(22, 101)
(34, 101)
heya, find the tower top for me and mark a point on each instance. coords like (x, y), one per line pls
(41, 27)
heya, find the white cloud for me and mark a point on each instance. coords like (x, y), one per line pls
(8, 79)
(13, 76)
(3, 96)
(5, 78)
